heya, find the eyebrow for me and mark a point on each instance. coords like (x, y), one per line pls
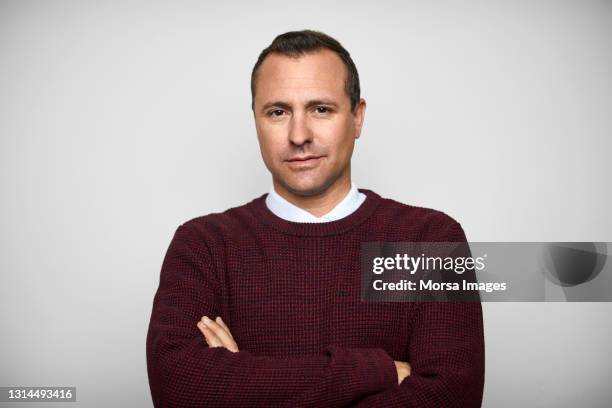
(309, 104)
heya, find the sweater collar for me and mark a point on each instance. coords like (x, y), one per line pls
(262, 213)
(291, 212)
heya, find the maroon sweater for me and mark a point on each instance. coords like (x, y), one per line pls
(291, 296)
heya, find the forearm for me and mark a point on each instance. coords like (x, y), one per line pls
(423, 392)
(447, 360)
(189, 373)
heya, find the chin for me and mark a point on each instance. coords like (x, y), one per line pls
(306, 188)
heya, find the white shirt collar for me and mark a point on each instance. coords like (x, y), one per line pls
(291, 212)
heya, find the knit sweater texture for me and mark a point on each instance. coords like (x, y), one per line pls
(291, 296)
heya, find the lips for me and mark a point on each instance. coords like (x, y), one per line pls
(304, 162)
(303, 158)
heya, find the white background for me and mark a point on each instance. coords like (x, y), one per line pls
(121, 120)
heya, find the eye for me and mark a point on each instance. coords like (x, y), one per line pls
(276, 113)
(322, 109)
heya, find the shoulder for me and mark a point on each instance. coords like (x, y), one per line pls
(424, 222)
(234, 220)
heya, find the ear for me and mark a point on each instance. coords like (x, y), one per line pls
(358, 116)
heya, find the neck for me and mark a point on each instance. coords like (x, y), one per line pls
(320, 203)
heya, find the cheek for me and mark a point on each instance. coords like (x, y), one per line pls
(339, 139)
(270, 141)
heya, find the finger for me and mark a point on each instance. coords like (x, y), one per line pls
(226, 340)
(211, 338)
(220, 321)
(212, 332)
(203, 329)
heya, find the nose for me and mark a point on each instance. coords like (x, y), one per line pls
(299, 129)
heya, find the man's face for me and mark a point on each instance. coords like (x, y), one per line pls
(305, 126)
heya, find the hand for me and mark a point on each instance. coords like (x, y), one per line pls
(217, 334)
(403, 370)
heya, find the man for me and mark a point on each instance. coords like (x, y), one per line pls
(259, 306)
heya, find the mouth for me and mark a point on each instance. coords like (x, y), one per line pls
(302, 162)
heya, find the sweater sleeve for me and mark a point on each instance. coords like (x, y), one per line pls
(185, 372)
(446, 354)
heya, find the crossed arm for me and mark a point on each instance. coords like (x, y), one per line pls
(217, 334)
(438, 380)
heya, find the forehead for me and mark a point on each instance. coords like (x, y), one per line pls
(315, 74)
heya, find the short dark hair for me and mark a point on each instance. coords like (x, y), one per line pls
(297, 43)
